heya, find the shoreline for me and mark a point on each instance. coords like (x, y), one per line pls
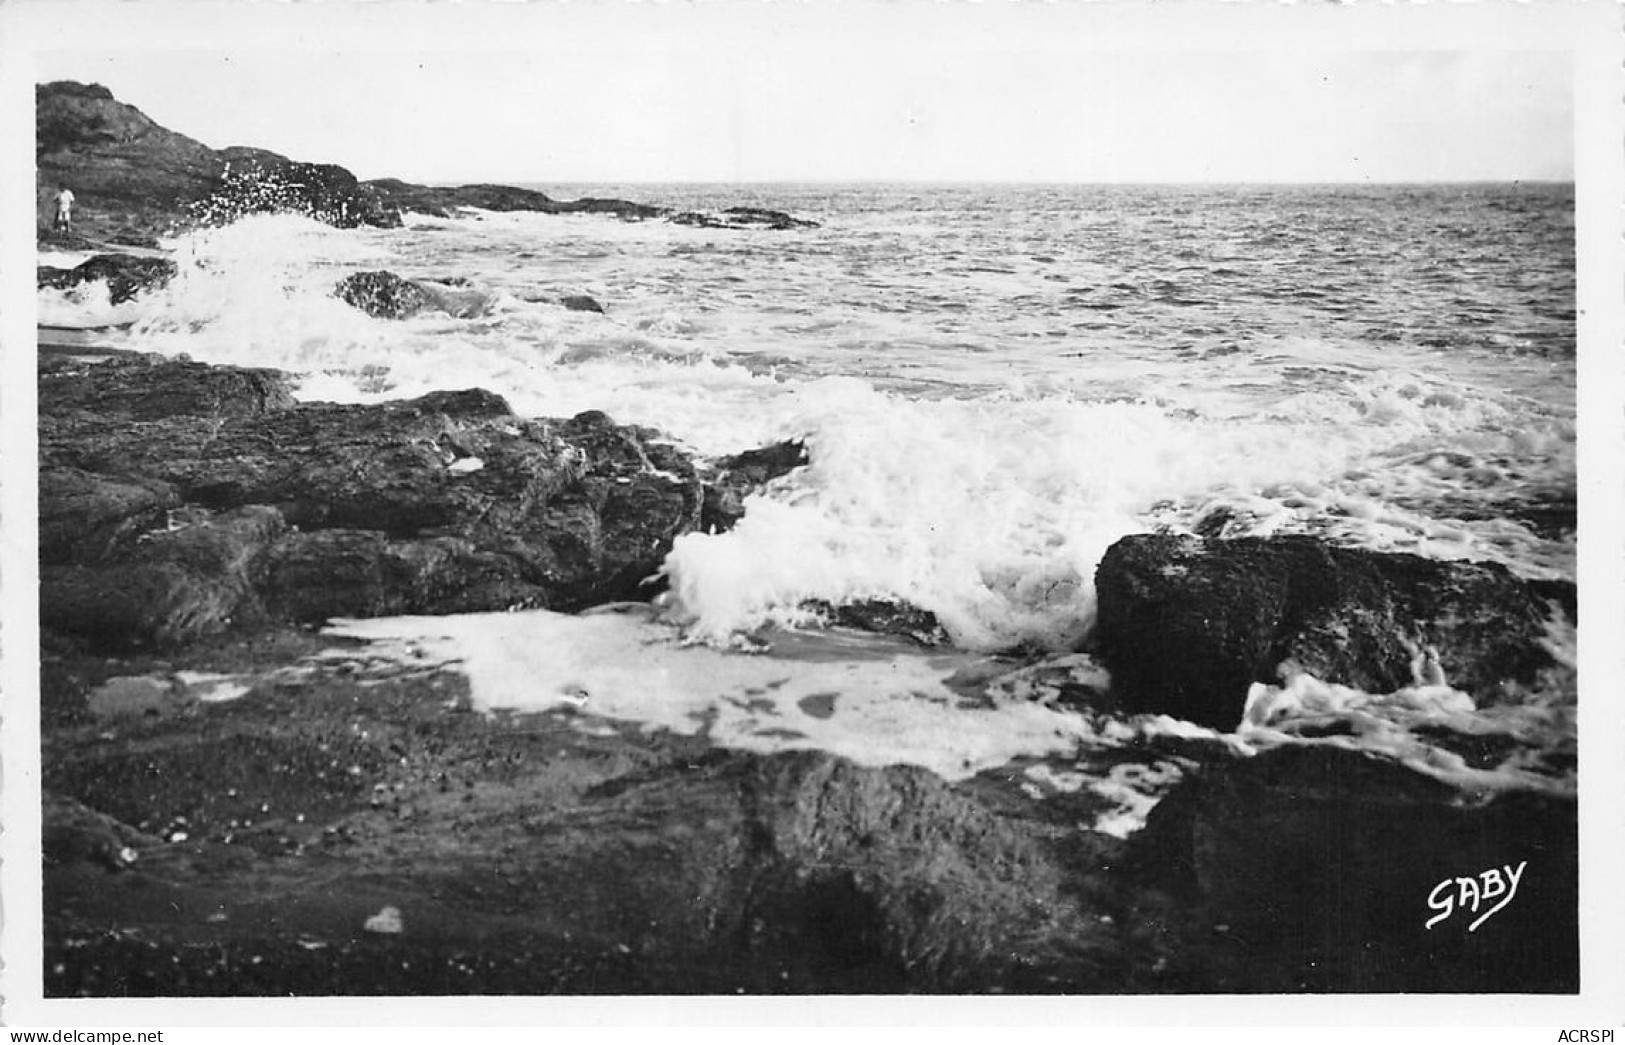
(305, 789)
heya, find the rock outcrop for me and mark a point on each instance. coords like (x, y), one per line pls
(135, 180)
(177, 499)
(730, 480)
(742, 218)
(1341, 870)
(131, 175)
(580, 303)
(388, 296)
(446, 201)
(1186, 625)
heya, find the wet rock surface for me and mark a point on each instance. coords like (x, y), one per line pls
(126, 275)
(1187, 624)
(580, 303)
(1357, 874)
(177, 499)
(135, 180)
(732, 479)
(382, 294)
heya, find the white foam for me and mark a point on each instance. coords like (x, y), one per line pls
(1305, 710)
(869, 700)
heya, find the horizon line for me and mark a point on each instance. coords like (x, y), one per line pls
(971, 182)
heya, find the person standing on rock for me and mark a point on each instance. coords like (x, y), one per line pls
(64, 209)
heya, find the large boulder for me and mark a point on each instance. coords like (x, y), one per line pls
(387, 296)
(1334, 869)
(1186, 625)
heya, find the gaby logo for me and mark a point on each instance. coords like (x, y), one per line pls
(1468, 894)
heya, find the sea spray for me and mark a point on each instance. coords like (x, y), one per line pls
(993, 514)
(979, 431)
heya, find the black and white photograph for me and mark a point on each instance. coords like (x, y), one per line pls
(1054, 504)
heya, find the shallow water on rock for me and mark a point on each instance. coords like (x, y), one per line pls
(881, 701)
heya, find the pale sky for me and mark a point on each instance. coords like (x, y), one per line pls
(613, 92)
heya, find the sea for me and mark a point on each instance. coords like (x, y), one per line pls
(994, 383)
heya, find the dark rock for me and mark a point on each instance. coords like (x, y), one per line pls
(382, 294)
(257, 181)
(445, 201)
(1186, 625)
(580, 303)
(732, 479)
(557, 862)
(126, 275)
(894, 873)
(388, 296)
(116, 159)
(622, 209)
(1564, 594)
(134, 178)
(320, 574)
(164, 528)
(71, 832)
(83, 517)
(168, 587)
(742, 218)
(1324, 861)
(773, 219)
(885, 617)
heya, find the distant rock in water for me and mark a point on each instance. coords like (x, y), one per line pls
(742, 218)
(884, 617)
(387, 296)
(1186, 625)
(446, 201)
(580, 303)
(126, 275)
(135, 179)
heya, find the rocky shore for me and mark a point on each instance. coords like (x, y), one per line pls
(135, 181)
(236, 804)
